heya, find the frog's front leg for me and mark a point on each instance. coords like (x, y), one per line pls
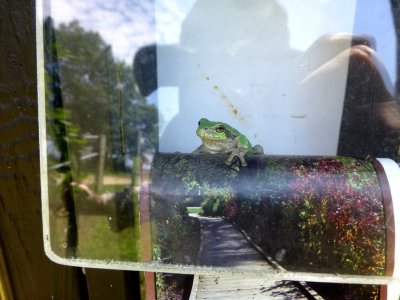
(237, 152)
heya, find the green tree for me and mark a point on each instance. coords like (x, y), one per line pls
(99, 92)
(86, 65)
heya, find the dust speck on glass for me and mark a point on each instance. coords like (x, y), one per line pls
(203, 136)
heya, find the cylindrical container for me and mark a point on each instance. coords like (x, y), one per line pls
(334, 215)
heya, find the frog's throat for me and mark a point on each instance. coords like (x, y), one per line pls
(212, 139)
(218, 145)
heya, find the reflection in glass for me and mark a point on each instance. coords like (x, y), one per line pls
(98, 124)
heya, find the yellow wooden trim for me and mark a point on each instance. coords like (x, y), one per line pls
(5, 287)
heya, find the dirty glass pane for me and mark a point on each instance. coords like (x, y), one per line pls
(222, 136)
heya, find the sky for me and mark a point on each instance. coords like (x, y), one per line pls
(125, 25)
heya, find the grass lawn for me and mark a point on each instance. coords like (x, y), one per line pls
(96, 240)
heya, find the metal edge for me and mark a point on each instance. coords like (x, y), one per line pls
(39, 9)
(392, 172)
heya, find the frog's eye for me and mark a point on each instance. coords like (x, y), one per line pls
(198, 123)
(220, 129)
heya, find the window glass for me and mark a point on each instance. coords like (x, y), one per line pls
(221, 136)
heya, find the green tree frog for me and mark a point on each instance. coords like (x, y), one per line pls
(218, 137)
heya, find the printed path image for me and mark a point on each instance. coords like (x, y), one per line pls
(225, 246)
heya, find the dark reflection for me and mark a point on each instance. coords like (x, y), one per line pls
(371, 117)
(59, 126)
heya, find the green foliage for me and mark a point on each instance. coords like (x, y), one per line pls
(341, 216)
(86, 65)
(94, 93)
(325, 212)
(216, 200)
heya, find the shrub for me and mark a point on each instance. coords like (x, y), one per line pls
(217, 200)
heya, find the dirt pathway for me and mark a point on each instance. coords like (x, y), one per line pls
(224, 245)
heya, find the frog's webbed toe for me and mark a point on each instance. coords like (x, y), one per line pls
(235, 165)
(240, 153)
